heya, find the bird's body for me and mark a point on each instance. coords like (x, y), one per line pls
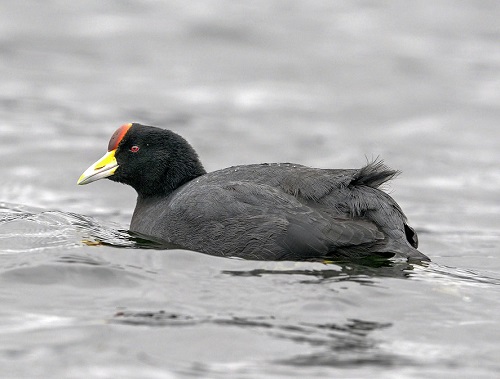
(278, 211)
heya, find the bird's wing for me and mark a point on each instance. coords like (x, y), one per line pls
(264, 222)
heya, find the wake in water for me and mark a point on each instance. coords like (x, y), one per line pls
(24, 228)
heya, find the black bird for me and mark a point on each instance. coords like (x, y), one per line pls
(276, 211)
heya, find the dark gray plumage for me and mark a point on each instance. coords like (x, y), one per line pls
(262, 211)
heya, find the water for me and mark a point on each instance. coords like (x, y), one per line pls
(322, 84)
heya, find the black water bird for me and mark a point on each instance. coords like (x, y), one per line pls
(276, 211)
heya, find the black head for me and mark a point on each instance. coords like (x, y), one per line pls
(153, 161)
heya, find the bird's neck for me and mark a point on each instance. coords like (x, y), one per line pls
(171, 180)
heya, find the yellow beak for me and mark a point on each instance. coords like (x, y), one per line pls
(104, 167)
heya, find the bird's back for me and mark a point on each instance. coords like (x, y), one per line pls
(282, 211)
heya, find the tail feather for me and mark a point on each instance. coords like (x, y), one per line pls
(374, 174)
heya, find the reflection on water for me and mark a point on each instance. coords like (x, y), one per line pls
(361, 273)
(368, 274)
(348, 344)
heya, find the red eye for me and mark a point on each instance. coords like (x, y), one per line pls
(134, 149)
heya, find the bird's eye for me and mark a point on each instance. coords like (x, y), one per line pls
(134, 149)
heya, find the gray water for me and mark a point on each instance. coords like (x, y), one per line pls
(326, 84)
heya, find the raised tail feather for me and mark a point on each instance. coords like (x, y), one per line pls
(374, 174)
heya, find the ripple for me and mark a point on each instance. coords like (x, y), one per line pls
(15, 323)
(451, 275)
(27, 229)
(80, 276)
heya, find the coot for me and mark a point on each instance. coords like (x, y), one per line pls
(276, 211)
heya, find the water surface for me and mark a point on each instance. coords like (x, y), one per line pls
(322, 84)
